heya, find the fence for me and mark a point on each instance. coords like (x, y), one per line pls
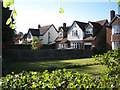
(15, 54)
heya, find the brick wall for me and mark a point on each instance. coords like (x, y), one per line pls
(108, 38)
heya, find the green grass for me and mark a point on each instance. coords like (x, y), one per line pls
(91, 70)
(41, 65)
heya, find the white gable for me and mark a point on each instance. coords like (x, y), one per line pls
(50, 36)
(72, 33)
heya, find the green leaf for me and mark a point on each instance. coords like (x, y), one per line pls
(7, 3)
(14, 14)
(12, 26)
(61, 10)
(108, 1)
(9, 20)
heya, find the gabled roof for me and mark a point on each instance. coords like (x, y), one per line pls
(102, 22)
(41, 31)
(89, 38)
(116, 16)
(81, 25)
(44, 29)
(64, 40)
(59, 39)
(97, 24)
(34, 32)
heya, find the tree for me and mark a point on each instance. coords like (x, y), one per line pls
(20, 33)
(7, 32)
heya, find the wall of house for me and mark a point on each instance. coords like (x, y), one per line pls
(100, 41)
(53, 35)
(29, 39)
(80, 33)
(116, 22)
(108, 38)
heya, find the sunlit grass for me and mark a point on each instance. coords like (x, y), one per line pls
(41, 65)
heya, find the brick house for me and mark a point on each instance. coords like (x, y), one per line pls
(95, 35)
(113, 32)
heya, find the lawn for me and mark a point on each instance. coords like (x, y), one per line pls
(41, 65)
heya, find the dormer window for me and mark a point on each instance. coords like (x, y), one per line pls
(60, 34)
(89, 30)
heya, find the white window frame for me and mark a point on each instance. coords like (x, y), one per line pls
(115, 29)
(89, 31)
(60, 34)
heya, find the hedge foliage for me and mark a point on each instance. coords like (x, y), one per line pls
(59, 79)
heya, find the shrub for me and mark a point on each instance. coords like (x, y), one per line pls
(58, 79)
(36, 44)
(111, 59)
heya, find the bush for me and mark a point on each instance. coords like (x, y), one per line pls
(111, 59)
(36, 44)
(58, 79)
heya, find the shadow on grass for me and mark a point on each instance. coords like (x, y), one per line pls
(33, 65)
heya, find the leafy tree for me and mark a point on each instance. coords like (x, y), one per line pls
(7, 32)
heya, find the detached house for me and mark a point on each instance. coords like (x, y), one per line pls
(76, 34)
(83, 35)
(113, 32)
(47, 34)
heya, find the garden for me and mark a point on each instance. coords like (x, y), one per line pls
(81, 73)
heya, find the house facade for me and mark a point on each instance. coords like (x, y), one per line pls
(76, 34)
(47, 34)
(85, 35)
(61, 40)
(113, 32)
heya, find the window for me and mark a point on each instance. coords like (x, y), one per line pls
(60, 34)
(75, 33)
(75, 45)
(29, 36)
(48, 37)
(89, 30)
(115, 29)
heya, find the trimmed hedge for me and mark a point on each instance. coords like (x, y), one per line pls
(59, 79)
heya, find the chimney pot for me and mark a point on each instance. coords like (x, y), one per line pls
(112, 14)
(39, 26)
(64, 24)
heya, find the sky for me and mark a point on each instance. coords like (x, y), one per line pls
(30, 13)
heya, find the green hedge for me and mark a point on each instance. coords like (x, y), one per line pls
(59, 79)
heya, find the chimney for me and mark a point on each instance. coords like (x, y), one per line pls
(112, 14)
(39, 26)
(64, 25)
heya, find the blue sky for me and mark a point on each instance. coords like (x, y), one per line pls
(30, 13)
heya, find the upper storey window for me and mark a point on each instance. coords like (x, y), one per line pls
(60, 34)
(89, 30)
(115, 29)
(75, 33)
